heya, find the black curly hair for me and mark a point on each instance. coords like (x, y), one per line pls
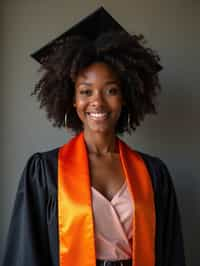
(136, 66)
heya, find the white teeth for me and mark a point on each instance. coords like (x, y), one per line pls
(98, 115)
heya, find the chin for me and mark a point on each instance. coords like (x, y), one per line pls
(102, 130)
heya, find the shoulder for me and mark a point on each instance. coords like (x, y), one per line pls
(42, 159)
(153, 161)
(40, 170)
(157, 168)
(159, 172)
(150, 160)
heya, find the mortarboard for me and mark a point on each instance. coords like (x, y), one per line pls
(98, 22)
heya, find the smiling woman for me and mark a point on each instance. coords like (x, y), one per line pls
(94, 200)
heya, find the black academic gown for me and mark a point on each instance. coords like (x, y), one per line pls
(33, 233)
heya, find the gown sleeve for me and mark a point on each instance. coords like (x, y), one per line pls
(172, 244)
(27, 240)
(169, 246)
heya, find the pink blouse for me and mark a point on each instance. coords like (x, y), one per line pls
(113, 224)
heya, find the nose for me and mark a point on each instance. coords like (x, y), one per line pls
(98, 99)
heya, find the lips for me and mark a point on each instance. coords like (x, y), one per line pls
(98, 115)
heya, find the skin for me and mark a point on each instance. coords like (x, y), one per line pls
(98, 102)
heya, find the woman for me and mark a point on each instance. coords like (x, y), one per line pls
(94, 201)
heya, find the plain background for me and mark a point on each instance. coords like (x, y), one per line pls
(171, 28)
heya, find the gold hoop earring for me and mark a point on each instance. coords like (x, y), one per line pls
(65, 120)
(129, 122)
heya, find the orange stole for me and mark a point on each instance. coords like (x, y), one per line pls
(75, 219)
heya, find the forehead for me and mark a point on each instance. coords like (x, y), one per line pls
(97, 71)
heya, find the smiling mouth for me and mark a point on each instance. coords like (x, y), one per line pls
(98, 116)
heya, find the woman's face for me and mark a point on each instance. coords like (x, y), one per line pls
(98, 98)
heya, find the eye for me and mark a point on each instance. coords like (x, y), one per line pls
(86, 92)
(112, 91)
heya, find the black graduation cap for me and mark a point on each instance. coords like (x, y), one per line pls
(98, 22)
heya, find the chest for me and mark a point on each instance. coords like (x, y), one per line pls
(106, 174)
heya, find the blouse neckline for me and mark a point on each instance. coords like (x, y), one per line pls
(117, 194)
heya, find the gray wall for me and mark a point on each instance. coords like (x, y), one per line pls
(172, 28)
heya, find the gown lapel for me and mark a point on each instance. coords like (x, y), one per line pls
(75, 219)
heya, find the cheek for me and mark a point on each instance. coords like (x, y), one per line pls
(80, 107)
(79, 103)
(117, 104)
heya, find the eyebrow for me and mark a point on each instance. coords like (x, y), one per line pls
(106, 83)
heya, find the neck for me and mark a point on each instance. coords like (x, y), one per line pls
(100, 143)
